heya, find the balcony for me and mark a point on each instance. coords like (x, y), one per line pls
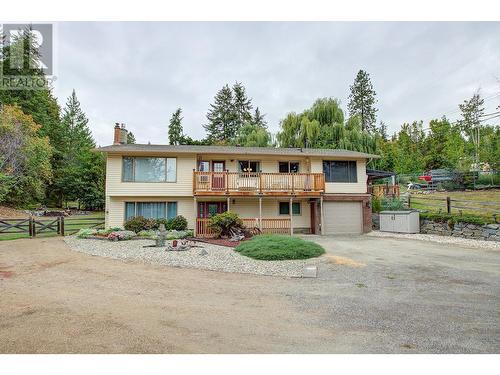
(253, 183)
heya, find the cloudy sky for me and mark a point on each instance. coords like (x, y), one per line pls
(139, 73)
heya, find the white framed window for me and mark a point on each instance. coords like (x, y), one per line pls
(151, 210)
(149, 169)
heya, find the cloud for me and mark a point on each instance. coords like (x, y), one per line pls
(139, 72)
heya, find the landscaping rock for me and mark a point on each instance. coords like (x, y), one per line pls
(490, 232)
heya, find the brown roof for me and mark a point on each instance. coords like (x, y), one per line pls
(187, 149)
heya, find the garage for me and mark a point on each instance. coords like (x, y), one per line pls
(343, 217)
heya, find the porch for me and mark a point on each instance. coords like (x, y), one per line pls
(273, 215)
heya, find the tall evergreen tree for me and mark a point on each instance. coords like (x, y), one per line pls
(230, 111)
(382, 130)
(175, 131)
(258, 119)
(130, 138)
(242, 105)
(362, 100)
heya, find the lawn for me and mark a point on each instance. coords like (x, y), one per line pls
(71, 224)
(482, 203)
(275, 247)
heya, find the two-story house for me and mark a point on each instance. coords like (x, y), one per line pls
(279, 190)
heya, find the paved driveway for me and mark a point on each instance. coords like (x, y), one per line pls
(373, 295)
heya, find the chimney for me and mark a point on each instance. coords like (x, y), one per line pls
(124, 135)
(118, 132)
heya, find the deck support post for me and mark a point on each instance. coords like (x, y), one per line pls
(291, 216)
(228, 204)
(195, 205)
(260, 213)
(322, 215)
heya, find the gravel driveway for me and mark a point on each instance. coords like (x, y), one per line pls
(373, 295)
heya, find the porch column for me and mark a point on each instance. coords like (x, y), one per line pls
(260, 213)
(228, 203)
(291, 216)
(195, 204)
(322, 215)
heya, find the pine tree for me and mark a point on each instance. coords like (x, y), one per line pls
(362, 100)
(242, 106)
(222, 120)
(175, 131)
(382, 130)
(130, 138)
(76, 159)
(258, 119)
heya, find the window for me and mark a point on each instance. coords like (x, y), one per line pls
(151, 210)
(141, 169)
(288, 167)
(285, 208)
(204, 166)
(248, 166)
(340, 171)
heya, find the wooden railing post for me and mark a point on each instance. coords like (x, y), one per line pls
(33, 233)
(227, 181)
(260, 182)
(30, 226)
(62, 226)
(293, 187)
(59, 224)
(448, 205)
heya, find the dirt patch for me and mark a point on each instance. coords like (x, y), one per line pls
(342, 261)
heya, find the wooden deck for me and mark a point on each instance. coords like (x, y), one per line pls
(255, 184)
(268, 225)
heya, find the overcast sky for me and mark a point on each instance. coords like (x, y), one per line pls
(139, 73)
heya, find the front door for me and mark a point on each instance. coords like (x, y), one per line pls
(218, 176)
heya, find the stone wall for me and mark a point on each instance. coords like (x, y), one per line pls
(489, 232)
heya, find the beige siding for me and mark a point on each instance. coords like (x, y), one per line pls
(115, 209)
(342, 187)
(182, 187)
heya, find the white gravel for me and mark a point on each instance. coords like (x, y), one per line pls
(465, 242)
(218, 258)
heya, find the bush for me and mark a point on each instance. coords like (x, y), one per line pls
(178, 234)
(86, 233)
(392, 204)
(222, 223)
(274, 247)
(453, 218)
(121, 235)
(178, 223)
(138, 223)
(148, 233)
(376, 204)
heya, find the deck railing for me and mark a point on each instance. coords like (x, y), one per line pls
(249, 183)
(384, 190)
(269, 225)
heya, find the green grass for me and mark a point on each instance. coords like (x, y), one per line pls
(275, 247)
(72, 225)
(467, 203)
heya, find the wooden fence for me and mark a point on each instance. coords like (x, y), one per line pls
(35, 226)
(274, 226)
(490, 209)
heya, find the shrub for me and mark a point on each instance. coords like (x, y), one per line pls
(222, 223)
(148, 233)
(160, 222)
(121, 235)
(452, 219)
(392, 204)
(105, 232)
(178, 234)
(178, 223)
(138, 223)
(376, 204)
(275, 247)
(86, 233)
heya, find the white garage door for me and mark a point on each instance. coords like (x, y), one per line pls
(343, 217)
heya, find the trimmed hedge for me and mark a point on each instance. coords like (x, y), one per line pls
(275, 247)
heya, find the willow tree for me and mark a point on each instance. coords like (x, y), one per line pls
(324, 126)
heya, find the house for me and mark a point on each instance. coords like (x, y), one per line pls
(280, 190)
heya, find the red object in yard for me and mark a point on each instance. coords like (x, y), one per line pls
(425, 177)
(174, 243)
